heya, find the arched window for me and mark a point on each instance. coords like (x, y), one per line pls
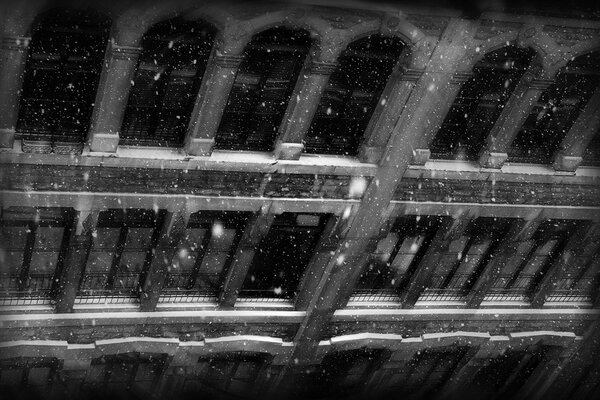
(352, 94)
(262, 89)
(166, 81)
(556, 111)
(61, 75)
(479, 103)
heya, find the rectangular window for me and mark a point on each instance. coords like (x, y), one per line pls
(203, 257)
(31, 372)
(465, 259)
(121, 252)
(283, 255)
(396, 258)
(33, 241)
(517, 281)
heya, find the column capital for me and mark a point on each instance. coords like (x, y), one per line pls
(540, 84)
(14, 43)
(231, 61)
(410, 74)
(322, 67)
(458, 78)
(119, 52)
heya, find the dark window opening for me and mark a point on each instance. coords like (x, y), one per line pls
(508, 372)
(262, 89)
(138, 372)
(352, 94)
(344, 372)
(556, 111)
(228, 373)
(33, 242)
(591, 155)
(31, 372)
(167, 79)
(121, 252)
(428, 370)
(61, 75)
(204, 255)
(396, 258)
(283, 255)
(479, 103)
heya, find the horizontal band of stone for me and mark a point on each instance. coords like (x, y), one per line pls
(322, 68)
(461, 77)
(125, 52)
(411, 75)
(18, 43)
(229, 61)
(540, 84)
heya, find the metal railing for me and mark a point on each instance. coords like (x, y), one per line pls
(93, 289)
(455, 291)
(375, 295)
(35, 292)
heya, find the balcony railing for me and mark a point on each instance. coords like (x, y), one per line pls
(35, 292)
(518, 292)
(175, 290)
(375, 295)
(93, 289)
(455, 290)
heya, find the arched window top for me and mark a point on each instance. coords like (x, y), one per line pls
(170, 69)
(557, 110)
(480, 102)
(352, 94)
(263, 85)
(61, 74)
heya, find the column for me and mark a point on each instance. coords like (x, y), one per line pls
(301, 109)
(111, 98)
(512, 118)
(171, 232)
(13, 55)
(80, 244)
(579, 136)
(385, 115)
(256, 229)
(439, 109)
(451, 230)
(508, 252)
(210, 104)
(323, 252)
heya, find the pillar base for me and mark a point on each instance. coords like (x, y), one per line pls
(104, 142)
(200, 147)
(420, 156)
(370, 154)
(7, 138)
(567, 163)
(492, 160)
(288, 151)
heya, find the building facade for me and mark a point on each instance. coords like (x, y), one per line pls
(299, 200)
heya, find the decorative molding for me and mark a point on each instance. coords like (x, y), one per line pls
(231, 61)
(431, 25)
(14, 43)
(488, 28)
(569, 36)
(38, 147)
(68, 148)
(347, 21)
(322, 68)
